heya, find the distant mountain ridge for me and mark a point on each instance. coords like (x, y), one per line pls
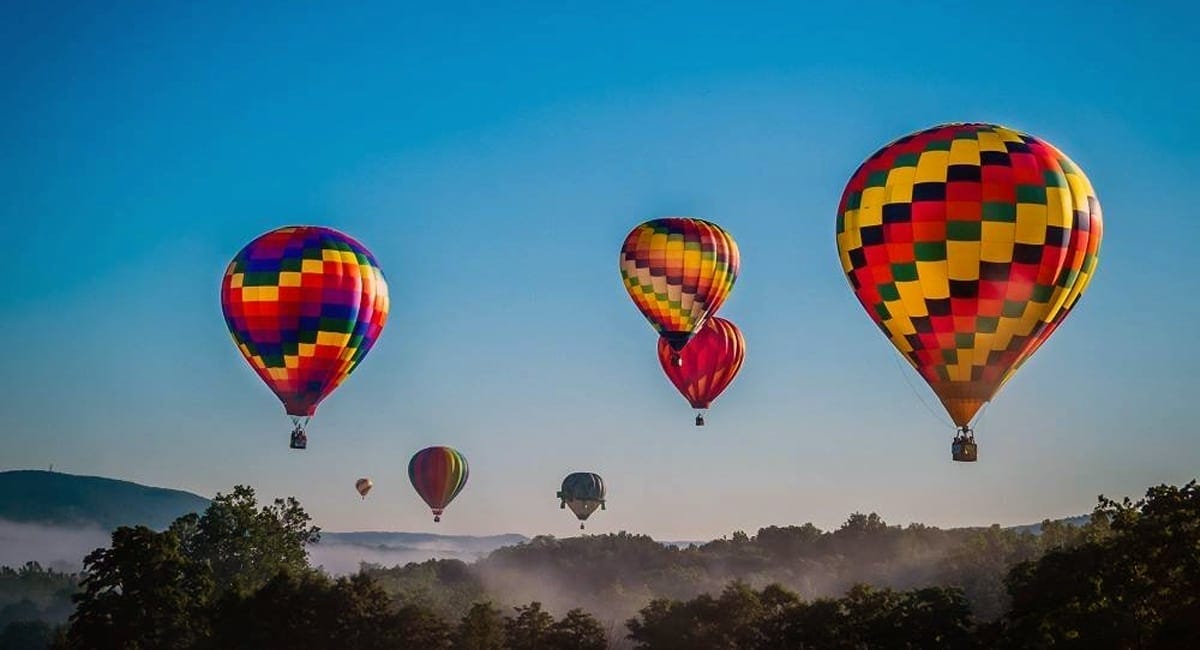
(53, 498)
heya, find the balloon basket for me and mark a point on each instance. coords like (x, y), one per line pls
(964, 451)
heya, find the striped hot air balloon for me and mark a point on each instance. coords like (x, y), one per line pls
(968, 244)
(438, 474)
(678, 271)
(709, 363)
(304, 304)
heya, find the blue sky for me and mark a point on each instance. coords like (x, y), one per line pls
(493, 160)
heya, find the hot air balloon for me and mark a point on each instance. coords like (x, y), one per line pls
(304, 305)
(438, 474)
(968, 244)
(582, 492)
(710, 361)
(678, 271)
(363, 485)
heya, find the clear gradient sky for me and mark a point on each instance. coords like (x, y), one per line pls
(493, 160)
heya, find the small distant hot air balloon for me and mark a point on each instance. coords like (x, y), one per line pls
(968, 244)
(582, 492)
(304, 305)
(438, 474)
(710, 361)
(678, 271)
(363, 485)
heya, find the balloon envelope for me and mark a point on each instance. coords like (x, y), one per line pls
(438, 474)
(582, 492)
(710, 361)
(678, 271)
(363, 485)
(304, 305)
(968, 244)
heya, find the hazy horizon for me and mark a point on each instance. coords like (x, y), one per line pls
(493, 161)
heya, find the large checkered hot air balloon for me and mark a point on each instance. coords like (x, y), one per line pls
(678, 271)
(304, 305)
(438, 474)
(968, 244)
(710, 361)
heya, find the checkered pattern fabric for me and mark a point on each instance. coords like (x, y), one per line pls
(679, 271)
(968, 244)
(304, 305)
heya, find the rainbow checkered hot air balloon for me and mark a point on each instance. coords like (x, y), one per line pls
(968, 244)
(678, 271)
(710, 362)
(304, 305)
(438, 474)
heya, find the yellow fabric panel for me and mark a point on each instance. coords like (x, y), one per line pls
(913, 298)
(1031, 224)
(332, 338)
(989, 141)
(934, 279)
(1080, 190)
(900, 324)
(983, 346)
(997, 241)
(870, 210)
(1058, 208)
(931, 167)
(900, 342)
(963, 259)
(899, 185)
(964, 152)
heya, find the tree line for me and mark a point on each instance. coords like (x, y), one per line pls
(237, 576)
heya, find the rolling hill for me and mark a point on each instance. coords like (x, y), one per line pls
(52, 498)
(56, 518)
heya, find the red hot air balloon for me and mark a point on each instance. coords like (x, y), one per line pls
(710, 361)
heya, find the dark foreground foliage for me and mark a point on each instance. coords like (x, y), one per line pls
(238, 577)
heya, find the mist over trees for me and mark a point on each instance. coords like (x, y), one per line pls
(238, 576)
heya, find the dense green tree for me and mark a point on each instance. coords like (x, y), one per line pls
(26, 635)
(481, 628)
(141, 593)
(734, 620)
(31, 592)
(448, 587)
(577, 630)
(244, 545)
(309, 610)
(1137, 585)
(530, 629)
(776, 619)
